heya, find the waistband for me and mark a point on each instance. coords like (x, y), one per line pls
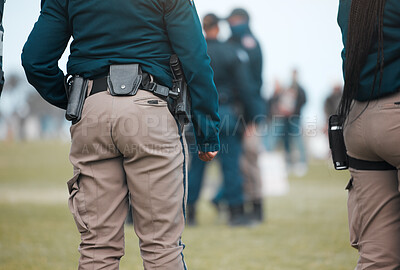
(365, 165)
(101, 85)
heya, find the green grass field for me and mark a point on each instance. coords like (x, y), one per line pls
(306, 229)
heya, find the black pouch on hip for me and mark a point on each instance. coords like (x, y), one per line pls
(76, 92)
(124, 80)
(336, 143)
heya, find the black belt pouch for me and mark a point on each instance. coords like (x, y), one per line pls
(76, 91)
(124, 80)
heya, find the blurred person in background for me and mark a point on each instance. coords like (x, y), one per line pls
(294, 133)
(24, 115)
(370, 112)
(237, 98)
(239, 22)
(242, 36)
(14, 107)
(286, 105)
(50, 121)
(126, 147)
(274, 127)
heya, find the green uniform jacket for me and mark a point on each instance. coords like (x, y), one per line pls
(147, 32)
(391, 50)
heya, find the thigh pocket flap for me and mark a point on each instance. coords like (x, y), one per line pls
(76, 202)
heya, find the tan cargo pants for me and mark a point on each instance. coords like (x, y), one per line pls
(128, 146)
(374, 196)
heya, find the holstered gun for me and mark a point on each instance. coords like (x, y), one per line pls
(182, 102)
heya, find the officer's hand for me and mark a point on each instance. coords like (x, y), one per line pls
(251, 130)
(207, 156)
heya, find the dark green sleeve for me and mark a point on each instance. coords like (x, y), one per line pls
(44, 47)
(187, 41)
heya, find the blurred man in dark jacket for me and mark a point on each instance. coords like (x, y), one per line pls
(237, 99)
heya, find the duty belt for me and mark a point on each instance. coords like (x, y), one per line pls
(100, 85)
(366, 165)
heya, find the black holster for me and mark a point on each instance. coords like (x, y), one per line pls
(336, 143)
(181, 103)
(76, 88)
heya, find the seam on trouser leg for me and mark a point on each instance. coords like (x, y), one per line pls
(184, 190)
(184, 171)
(112, 126)
(359, 213)
(152, 216)
(97, 217)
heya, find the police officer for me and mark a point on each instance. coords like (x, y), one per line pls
(230, 64)
(242, 36)
(369, 110)
(128, 144)
(239, 20)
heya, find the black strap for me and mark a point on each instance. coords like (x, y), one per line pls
(99, 85)
(370, 165)
(153, 87)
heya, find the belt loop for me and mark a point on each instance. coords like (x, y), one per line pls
(90, 87)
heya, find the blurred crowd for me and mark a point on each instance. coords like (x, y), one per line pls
(24, 115)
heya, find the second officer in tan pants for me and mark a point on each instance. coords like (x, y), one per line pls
(126, 147)
(370, 111)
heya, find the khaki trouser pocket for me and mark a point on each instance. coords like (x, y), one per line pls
(389, 105)
(76, 202)
(151, 101)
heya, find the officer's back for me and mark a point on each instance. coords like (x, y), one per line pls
(146, 32)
